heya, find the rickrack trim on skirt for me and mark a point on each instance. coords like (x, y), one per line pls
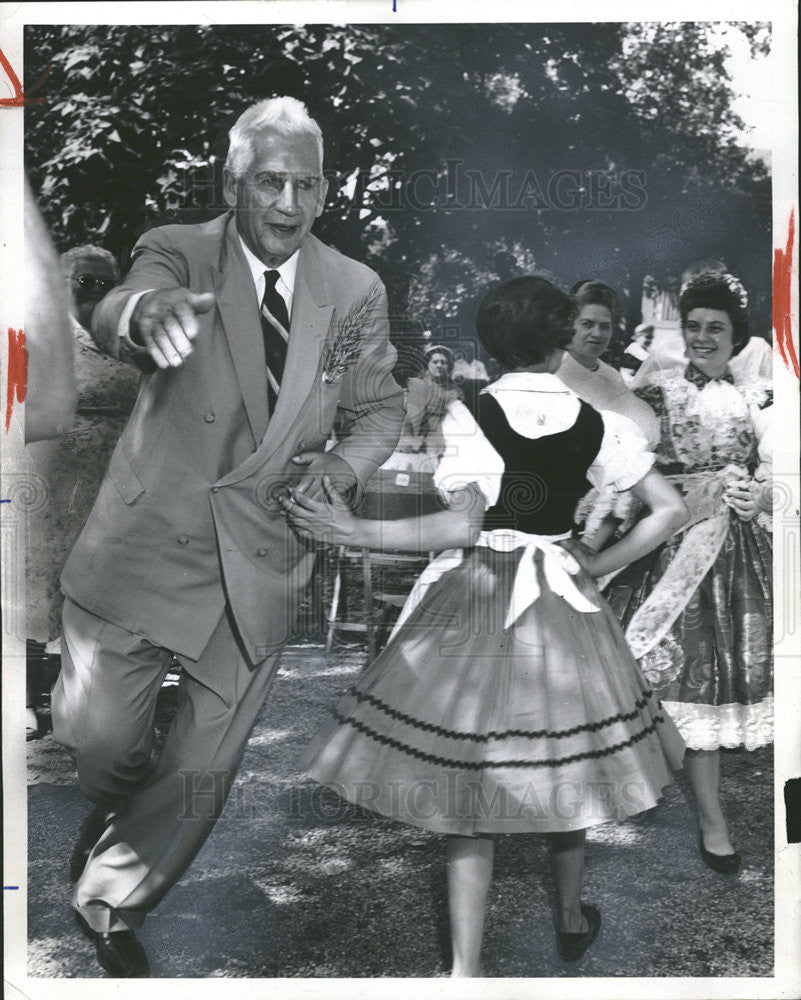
(485, 764)
(532, 734)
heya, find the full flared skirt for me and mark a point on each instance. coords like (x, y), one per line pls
(464, 726)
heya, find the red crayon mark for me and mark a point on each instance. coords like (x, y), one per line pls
(17, 371)
(19, 100)
(782, 283)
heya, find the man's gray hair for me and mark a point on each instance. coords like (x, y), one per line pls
(285, 115)
(88, 252)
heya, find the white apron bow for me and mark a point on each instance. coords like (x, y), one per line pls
(558, 565)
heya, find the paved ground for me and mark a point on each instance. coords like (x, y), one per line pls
(295, 883)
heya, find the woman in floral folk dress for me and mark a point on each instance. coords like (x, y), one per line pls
(698, 611)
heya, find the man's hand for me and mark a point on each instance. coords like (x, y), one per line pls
(329, 520)
(165, 323)
(335, 469)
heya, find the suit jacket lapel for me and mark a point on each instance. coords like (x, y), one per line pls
(239, 310)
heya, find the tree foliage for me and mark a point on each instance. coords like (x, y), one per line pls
(458, 153)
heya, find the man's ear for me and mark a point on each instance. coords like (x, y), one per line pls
(229, 188)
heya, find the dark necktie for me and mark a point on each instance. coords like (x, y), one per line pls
(275, 328)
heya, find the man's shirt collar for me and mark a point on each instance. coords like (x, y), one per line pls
(287, 272)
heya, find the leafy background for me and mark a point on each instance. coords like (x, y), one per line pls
(133, 131)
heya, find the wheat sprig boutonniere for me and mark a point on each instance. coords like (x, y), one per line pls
(347, 344)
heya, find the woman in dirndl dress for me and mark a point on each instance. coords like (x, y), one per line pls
(507, 700)
(698, 610)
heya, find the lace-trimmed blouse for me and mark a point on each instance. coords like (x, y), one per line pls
(708, 427)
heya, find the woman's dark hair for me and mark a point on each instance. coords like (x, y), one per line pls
(446, 352)
(596, 293)
(717, 290)
(522, 321)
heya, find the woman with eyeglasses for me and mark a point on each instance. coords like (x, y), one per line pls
(91, 272)
(70, 467)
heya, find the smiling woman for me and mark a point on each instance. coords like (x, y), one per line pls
(714, 322)
(698, 612)
(708, 334)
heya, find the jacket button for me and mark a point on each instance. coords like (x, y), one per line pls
(183, 540)
(209, 417)
(262, 552)
(215, 489)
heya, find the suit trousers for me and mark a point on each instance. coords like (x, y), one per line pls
(103, 707)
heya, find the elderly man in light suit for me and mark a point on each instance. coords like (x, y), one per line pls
(253, 336)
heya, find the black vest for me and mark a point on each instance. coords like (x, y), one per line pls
(543, 479)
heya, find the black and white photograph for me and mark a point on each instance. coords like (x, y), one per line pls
(400, 500)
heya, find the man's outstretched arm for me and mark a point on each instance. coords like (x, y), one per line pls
(150, 319)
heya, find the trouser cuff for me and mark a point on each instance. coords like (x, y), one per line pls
(105, 920)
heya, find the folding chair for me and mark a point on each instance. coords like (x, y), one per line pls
(389, 495)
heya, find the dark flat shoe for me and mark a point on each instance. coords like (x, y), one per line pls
(571, 947)
(725, 864)
(119, 953)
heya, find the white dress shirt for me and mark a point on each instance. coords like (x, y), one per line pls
(285, 286)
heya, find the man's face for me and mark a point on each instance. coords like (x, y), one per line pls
(279, 196)
(90, 281)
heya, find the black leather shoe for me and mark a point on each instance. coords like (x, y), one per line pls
(571, 947)
(120, 953)
(724, 864)
(90, 832)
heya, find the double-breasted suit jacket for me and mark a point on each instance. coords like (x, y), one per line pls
(186, 518)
